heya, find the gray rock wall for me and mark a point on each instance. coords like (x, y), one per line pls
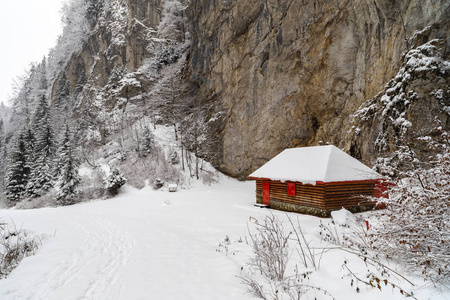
(289, 73)
(100, 54)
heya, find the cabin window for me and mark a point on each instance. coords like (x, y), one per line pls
(291, 188)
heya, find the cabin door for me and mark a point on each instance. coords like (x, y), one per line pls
(266, 193)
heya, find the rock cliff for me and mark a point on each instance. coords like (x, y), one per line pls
(119, 40)
(280, 74)
(291, 73)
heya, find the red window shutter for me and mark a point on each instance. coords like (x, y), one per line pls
(291, 188)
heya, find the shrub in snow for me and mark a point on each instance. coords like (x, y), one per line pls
(284, 261)
(117, 74)
(158, 183)
(15, 244)
(267, 276)
(414, 228)
(114, 182)
(270, 248)
(174, 158)
(142, 170)
(349, 234)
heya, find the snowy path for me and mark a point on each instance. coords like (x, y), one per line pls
(134, 247)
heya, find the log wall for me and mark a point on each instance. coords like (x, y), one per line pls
(348, 194)
(319, 199)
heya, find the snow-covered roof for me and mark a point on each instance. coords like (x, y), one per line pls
(312, 164)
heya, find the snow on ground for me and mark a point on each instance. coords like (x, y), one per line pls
(147, 244)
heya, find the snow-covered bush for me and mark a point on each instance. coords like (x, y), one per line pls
(415, 226)
(414, 229)
(174, 158)
(158, 183)
(168, 54)
(15, 245)
(275, 249)
(270, 248)
(114, 181)
(117, 74)
(348, 233)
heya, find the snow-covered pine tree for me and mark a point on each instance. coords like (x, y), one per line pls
(21, 102)
(43, 83)
(38, 83)
(62, 100)
(41, 125)
(41, 177)
(81, 79)
(147, 141)
(18, 170)
(69, 178)
(114, 181)
(2, 159)
(93, 8)
(30, 154)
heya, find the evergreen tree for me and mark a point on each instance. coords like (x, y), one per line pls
(43, 83)
(63, 90)
(41, 124)
(18, 170)
(81, 79)
(22, 100)
(27, 94)
(41, 179)
(62, 100)
(148, 141)
(2, 158)
(92, 11)
(69, 179)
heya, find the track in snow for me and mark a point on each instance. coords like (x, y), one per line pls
(132, 247)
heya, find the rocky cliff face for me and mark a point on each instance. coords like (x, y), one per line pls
(118, 45)
(291, 73)
(282, 73)
(120, 39)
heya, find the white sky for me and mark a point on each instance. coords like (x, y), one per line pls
(28, 29)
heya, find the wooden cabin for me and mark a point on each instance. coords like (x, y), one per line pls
(317, 180)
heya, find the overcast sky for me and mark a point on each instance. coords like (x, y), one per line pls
(28, 29)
